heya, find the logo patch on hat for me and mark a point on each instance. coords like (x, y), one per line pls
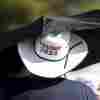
(49, 49)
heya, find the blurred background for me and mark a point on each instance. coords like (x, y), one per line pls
(23, 11)
(72, 7)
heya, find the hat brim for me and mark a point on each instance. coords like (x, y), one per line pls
(49, 69)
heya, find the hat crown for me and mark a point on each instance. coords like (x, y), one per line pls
(54, 39)
(52, 47)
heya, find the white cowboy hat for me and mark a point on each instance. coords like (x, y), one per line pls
(48, 64)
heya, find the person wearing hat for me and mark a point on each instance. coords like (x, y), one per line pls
(43, 64)
(43, 57)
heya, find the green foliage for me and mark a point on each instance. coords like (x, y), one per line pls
(73, 7)
(21, 11)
